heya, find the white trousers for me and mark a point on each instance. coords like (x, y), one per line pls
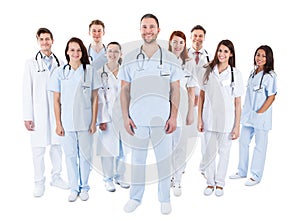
(38, 154)
(216, 144)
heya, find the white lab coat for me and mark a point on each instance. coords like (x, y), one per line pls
(38, 102)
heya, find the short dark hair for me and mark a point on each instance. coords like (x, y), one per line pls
(198, 27)
(43, 31)
(97, 22)
(150, 16)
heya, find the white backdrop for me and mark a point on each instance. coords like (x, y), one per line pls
(248, 24)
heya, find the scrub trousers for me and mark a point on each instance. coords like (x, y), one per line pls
(162, 146)
(259, 152)
(38, 154)
(216, 143)
(78, 152)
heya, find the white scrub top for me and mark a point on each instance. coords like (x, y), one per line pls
(97, 59)
(38, 102)
(150, 85)
(76, 94)
(255, 98)
(219, 108)
(109, 92)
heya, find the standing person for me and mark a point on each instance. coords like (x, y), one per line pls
(149, 98)
(96, 48)
(219, 114)
(177, 45)
(38, 114)
(110, 150)
(256, 117)
(75, 87)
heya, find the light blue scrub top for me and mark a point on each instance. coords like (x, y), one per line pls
(98, 59)
(150, 85)
(76, 94)
(255, 98)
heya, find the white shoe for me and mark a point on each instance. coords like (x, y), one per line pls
(73, 196)
(251, 182)
(208, 191)
(39, 190)
(165, 208)
(131, 205)
(219, 192)
(60, 183)
(235, 176)
(110, 187)
(177, 190)
(83, 195)
(122, 184)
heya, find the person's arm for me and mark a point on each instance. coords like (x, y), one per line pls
(94, 111)
(236, 129)
(57, 112)
(191, 98)
(200, 125)
(269, 101)
(171, 123)
(125, 100)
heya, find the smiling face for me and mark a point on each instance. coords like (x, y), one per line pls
(197, 37)
(96, 32)
(223, 54)
(260, 59)
(74, 52)
(113, 53)
(149, 30)
(177, 45)
(45, 42)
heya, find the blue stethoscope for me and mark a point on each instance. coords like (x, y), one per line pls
(141, 63)
(40, 64)
(89, 49)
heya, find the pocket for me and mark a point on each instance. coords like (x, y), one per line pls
(257, 120)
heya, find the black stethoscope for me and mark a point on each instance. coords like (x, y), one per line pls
(89, 49)
(66, 77)
(41, 65)
(259, 89)
(141, 67)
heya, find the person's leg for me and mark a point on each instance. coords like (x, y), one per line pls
(38, 154)
(244, 142)
(259, 154)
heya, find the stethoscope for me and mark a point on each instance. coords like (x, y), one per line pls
(89, 49)
(104, 79)
(41, 65)
(259, 89)
(141, 64)
(67, 77)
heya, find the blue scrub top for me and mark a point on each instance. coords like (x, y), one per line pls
(76, 94)
(256, 97)
(150, 85)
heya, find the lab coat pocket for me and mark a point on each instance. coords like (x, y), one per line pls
(87, 94)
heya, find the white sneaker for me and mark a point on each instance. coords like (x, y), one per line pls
(131, 205)
(39, 190)
(110, 187)
(235, 176)
(177, 190)
(122, 184)
(208, 191)
(165, 208)
(73, 196)
(60, 183)
(251, 182)
(219, 192)
(83, 195)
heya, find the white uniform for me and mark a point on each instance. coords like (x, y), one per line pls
(257, 124)
(75, 88)
(109, 141)
(218, 118)
(38, 107)
(150, 109)
(183, 132)
(97, 59)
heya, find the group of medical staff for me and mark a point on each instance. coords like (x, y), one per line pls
(156, 97)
